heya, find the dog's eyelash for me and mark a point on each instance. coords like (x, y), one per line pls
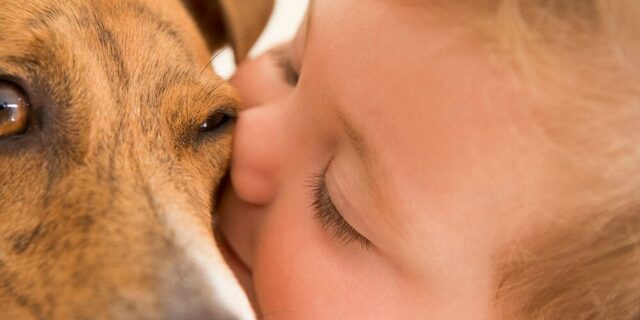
(328, 215)
(283, 62)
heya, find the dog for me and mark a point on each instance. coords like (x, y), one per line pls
(114, 135)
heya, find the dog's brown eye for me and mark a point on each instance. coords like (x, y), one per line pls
(217, 121)
(14, 110)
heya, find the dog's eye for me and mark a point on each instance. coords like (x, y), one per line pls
(217, 121)
(14, 110)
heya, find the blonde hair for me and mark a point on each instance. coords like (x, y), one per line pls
(586, 54)
(589, 270)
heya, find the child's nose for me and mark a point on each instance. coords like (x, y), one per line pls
(258, 148)
(260, 130)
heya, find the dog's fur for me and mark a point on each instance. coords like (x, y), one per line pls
(105, 201)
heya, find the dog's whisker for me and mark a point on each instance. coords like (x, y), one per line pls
(209, 64)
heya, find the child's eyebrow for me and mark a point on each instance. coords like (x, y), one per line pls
(356, 139)
(361, 145)
(371, 169)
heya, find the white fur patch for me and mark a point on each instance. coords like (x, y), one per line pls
(227, 290)
(224, 287)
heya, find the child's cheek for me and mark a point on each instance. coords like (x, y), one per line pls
(301, 272)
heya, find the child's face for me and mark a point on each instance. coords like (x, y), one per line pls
(383, 183)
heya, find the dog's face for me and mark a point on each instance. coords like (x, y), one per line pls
(113, 137)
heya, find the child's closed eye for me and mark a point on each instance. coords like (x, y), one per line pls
(329, 216)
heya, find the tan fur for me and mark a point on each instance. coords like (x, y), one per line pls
(108, 196)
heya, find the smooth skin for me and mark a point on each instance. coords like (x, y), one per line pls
(432, 154)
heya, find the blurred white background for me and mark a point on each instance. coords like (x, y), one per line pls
(286, 17)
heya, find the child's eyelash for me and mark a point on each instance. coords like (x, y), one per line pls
(329, 216)
(283, 62)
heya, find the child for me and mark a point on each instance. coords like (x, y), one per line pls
(429, 160)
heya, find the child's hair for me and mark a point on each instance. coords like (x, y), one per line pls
(583, 56)
(588, 270)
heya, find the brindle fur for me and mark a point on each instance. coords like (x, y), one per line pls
(106, 197)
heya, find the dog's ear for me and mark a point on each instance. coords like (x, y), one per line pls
(237, 22)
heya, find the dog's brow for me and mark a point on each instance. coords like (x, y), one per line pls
(162, 25)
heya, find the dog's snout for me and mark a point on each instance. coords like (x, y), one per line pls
(220, 296)
(196, 292)
(203, 311)
(176, 281)
(195, 307)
